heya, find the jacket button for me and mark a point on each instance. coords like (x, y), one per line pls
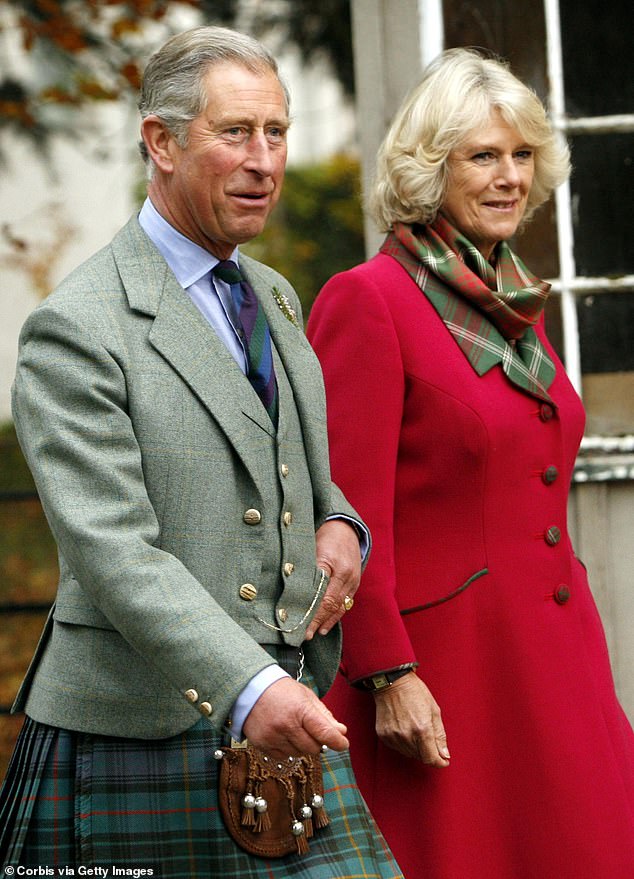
(191, 696)
(206, 709)
(546, 411)
(282, 614)
(287, 518)
(252, 517)
(552, 535)
(562, 594)
(550, 474)
(248, 591)
(289, 567)
(284, 470)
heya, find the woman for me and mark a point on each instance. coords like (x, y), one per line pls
(454, 432)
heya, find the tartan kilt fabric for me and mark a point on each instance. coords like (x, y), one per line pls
(72, 799)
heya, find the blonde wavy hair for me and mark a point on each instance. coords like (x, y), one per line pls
(456, 96)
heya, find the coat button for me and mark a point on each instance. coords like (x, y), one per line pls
(206, 709)
(562, 594)
(252, 517)
(552, 535)
(191, 696)
(546, 411)
(282, 614)
(248, 591)
(287, 518)
(289, 567)
(284, 470)
(550, 474)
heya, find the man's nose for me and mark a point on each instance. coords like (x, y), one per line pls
(259, 154)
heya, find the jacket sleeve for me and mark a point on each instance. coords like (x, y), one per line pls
(353, 334)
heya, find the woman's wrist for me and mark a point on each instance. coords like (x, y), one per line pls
(384, 679)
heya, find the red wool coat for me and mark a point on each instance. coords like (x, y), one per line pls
(464, 481)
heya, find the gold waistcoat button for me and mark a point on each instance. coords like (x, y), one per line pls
(191, 696)
(284, 469)
(287, 518)
(248, 591)
(282, 614)
(206, 709)
(289, 567)
(252, 517)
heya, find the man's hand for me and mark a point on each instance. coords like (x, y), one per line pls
(408, 720)
(339, 555)
(288, 719)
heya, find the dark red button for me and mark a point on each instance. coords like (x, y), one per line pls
(550, 474)
(561, 594)
(546, 411)
(552, 535)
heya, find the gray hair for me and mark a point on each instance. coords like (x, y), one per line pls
(173, 81)
(455, 97)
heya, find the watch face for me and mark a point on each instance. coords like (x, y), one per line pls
(378, 682)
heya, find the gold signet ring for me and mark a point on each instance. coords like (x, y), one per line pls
(348, 602)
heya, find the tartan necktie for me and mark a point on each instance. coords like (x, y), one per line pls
(254, 332)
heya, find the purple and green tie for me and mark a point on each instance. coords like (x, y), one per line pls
(254, 332)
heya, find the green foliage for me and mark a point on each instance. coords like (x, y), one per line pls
(316, 230)
(15, 475)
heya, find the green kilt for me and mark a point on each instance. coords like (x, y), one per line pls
(72, 799)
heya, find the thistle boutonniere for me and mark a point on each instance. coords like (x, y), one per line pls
(285, 306)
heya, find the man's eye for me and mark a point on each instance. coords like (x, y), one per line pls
(236, 133)
(276, 135)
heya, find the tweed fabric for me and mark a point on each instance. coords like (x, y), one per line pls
(146, 484)
(100, 801)
(483, 306)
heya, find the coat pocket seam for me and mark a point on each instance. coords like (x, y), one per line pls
(409, 610)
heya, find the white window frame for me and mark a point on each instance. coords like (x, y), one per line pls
(602, 457)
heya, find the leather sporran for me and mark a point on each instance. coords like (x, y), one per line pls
(270, 808)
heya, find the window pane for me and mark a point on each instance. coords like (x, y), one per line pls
(606, 332)
(597, 52)
(603, 208)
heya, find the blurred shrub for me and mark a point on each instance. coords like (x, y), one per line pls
(316, 229)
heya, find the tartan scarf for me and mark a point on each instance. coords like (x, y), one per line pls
(483, 306)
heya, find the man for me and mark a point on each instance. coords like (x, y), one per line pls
(181, 458)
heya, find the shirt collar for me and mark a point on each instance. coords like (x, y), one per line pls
(188, 261)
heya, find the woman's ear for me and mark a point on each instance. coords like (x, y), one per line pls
(158, 142)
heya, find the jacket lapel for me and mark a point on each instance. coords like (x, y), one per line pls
(182, 336)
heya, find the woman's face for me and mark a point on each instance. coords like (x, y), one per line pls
(490, 176)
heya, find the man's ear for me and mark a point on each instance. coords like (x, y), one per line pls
(158, 141)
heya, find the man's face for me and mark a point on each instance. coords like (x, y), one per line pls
(228, 179)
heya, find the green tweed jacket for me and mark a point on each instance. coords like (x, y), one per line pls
(148, 446)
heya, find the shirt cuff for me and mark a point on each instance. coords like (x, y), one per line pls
(250, 695)
(362, 533)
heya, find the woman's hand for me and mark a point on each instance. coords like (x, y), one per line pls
(408, 720)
